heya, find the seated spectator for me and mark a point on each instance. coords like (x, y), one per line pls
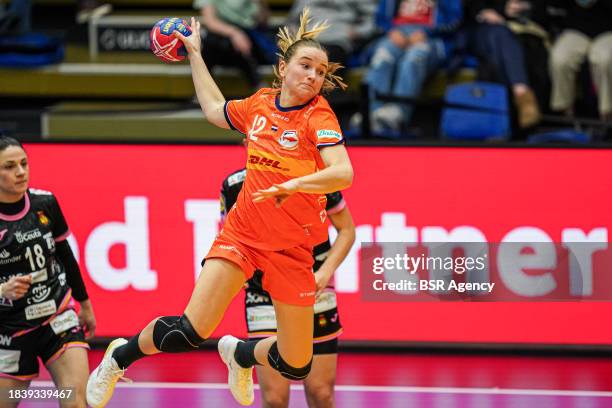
(497, 48)
(532, 25)
(587, 34)
(419, 39)
(234, 34)
(352, 25)
(15, 18)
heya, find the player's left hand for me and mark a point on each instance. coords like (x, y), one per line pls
(321, 279)
(280, 192)
(87, 319)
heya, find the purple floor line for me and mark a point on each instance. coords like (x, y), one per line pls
(126, 397)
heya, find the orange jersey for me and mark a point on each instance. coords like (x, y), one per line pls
(283, 143)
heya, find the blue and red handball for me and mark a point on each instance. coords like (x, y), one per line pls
(164, 44)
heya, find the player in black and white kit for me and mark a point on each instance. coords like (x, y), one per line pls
(259, 311)
(39, 281)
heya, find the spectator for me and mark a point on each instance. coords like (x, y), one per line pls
(497, 48)
(531, 24)
(16, 17)
(234, 35)
(353, 22)
(587, 34)
(417, 42)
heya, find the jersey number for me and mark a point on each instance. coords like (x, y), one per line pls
(259, 123)
(35, 255)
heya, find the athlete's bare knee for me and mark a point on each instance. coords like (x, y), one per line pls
(320, 395)
(273, 399)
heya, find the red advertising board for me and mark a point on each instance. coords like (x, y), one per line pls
(142, 216)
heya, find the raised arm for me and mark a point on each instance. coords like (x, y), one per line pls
(209, 95)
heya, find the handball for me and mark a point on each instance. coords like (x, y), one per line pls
(164, 44)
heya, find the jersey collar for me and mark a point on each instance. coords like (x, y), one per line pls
(290, 108)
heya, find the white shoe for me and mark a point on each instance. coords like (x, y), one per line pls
(102, 380)
(387, 117)
(240, 379)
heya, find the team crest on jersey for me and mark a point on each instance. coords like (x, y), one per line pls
(42, 217)
(289, 139)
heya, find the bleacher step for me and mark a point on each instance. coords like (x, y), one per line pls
(121, 121)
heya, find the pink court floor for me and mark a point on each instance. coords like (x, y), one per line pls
(423, 380)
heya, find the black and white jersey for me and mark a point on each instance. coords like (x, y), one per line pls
(229, 193)
(27, 246)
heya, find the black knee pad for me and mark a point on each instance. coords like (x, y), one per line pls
(174, 334)
(280, 365)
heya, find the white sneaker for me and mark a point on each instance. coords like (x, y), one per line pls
(387, 117)
(240, 379)
(102, 380)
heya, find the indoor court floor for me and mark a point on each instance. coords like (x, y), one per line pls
(393, 379)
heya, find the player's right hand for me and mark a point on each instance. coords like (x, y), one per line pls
(193, 43)
(280, 192)
(16, 287)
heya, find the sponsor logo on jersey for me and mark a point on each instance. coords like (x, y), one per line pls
(42, 218)
(279, 116)
(328, 133)
(289, 140)
(11, 260)
(9, 361)
(50, 241)
(233, 249)
(40, 292)
(27, 236)
(38, 191)
(40, 310)
(64, 321)
(255, 298)
(236, 178)
(62, 279)
(326, 301)
(262, 161)
(39, 276)
(4, 254)
(5, 340)
(260, 318)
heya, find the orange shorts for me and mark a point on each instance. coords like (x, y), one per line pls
(287, 274)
